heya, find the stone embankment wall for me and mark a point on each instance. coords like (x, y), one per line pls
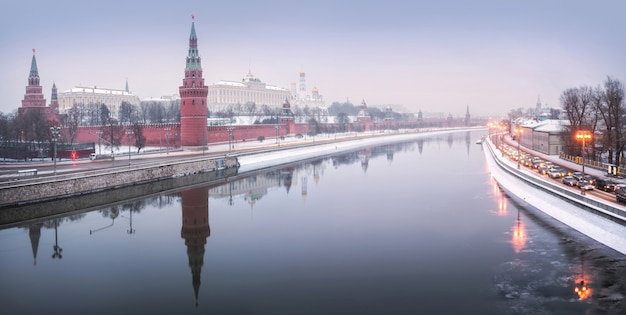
(90, 182)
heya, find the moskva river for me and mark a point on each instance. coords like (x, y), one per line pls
(413, 228)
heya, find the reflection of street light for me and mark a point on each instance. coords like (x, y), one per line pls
(231, 144)
(129, 132)
(519, 131)
(277, 133)
(581, 288)
(56, 247)
(519, 234)
(131, 231)
(55, 130)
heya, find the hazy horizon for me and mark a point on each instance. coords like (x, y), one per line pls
(492, 56)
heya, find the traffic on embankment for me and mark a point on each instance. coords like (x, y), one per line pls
(591, 212)
(105, 177)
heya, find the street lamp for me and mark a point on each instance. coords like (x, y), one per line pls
(55, 130)
(583, 135)
(277, 134)
(519, 132)
(167, 141)
(99, 133)
(129, 133)
(230, 137)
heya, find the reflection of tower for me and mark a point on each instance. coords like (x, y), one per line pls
(420, 145)
(364, 157)
(286, 175)
(34, 233)
(195, 230)
(304, 187)
(467, 142)
(450, 140)
(390, 153)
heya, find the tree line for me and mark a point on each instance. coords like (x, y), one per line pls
(601, 111)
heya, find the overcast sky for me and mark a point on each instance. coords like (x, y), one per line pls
(437, 56)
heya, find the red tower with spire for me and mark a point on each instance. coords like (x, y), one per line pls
(193, 98)
(34, 96)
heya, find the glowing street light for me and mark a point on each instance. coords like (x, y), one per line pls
(583, 135)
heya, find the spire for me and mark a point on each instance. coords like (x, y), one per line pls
(127, 91)
(34, 73)
(193, 59)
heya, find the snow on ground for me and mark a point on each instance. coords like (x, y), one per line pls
(263, 160)
(605, 231)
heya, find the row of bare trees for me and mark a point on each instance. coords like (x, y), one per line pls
(600, 110)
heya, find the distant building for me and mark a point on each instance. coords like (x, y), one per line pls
(112, 98)
(250, 90)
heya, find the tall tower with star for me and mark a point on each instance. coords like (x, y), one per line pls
(193, 98)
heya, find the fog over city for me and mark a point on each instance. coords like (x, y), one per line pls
(437, 56)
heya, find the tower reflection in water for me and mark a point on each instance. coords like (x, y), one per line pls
(195, 230)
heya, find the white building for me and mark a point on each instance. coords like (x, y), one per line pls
(250, 90)
(301, 98)
(93, 95)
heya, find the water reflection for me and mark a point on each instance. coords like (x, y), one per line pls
(351, 247)
(195, 231)
(519, 234)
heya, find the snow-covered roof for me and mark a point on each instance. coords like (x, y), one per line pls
(549, 125)
(96, 90)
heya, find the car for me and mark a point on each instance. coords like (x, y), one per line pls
(543, 170)
(549, 164)
(570, 180)
(554, 173)
(578, 175)
(584, 185)
(605, 184)
(590, 179)
(620, 193)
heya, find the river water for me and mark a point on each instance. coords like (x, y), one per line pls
(413, 228)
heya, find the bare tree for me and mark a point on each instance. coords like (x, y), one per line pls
(612, 111)
(72, 122)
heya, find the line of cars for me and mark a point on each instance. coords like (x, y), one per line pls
(573, 179)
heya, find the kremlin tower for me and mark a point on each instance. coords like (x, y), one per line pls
(34, 96)
(193, 99)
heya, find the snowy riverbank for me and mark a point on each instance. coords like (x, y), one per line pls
(599, 228)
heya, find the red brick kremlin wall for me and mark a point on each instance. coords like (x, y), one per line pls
(158, 135)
